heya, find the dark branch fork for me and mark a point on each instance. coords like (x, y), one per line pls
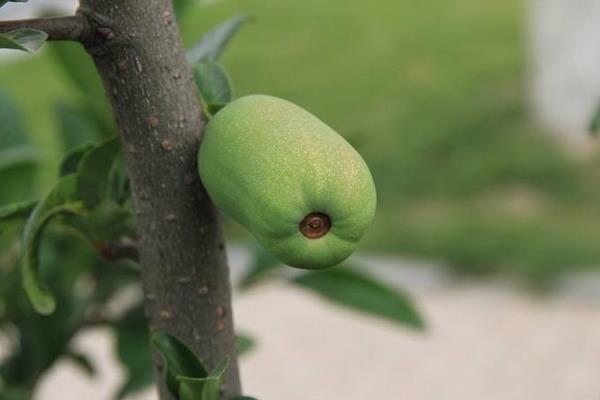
(73, 27)
(138, 53)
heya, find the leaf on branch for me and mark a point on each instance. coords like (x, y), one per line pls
(29, 40)
(214, 85)
(107, 223)
(15, 211)
(62, 199)
(213, 42)
(70, 161)
(94, 172)
(179, 359)
(350, 288)
(208, 388)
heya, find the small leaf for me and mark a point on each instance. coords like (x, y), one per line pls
(70, 161)
(14, 211)
(61, 199)
(94, 170)
(208, 388)
(214, 85)
(213, 42)
(82, 362)
(244, 344)
(179, 360)
(107, 222)
(353, 289)
(29, 40)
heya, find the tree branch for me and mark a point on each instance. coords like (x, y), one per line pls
(125, 249)
(73, 28)
(139, 54)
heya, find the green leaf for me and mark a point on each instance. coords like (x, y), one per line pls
(179, 360)
(134, 352)
(29, 40)
(214, 85)
(14, 211)
(208, 388)
(355, 290)
(213, 42)
(94, 172)
(263, 265)
(82, 361)
(108, 222)
(70, 161)
(61, 199)
(244, 344)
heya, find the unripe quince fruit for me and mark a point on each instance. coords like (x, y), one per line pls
(298, 186)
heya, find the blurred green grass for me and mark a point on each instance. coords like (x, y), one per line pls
(433, 95)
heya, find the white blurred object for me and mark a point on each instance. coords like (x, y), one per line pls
(485, 341)
(33, 8)
(565, 64)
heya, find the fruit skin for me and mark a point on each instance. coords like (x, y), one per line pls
(268, 163)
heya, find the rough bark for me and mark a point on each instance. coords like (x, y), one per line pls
(138, 52)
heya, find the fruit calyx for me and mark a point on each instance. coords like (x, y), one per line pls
(315, 225)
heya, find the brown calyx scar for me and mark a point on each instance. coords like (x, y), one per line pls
(315, 225)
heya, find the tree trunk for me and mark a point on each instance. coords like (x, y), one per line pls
(138, 52)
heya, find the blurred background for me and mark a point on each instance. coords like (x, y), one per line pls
(474, 117)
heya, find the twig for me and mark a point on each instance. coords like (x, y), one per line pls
(73, 28)
(126, 249)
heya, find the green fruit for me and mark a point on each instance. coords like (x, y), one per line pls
(297, 185)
